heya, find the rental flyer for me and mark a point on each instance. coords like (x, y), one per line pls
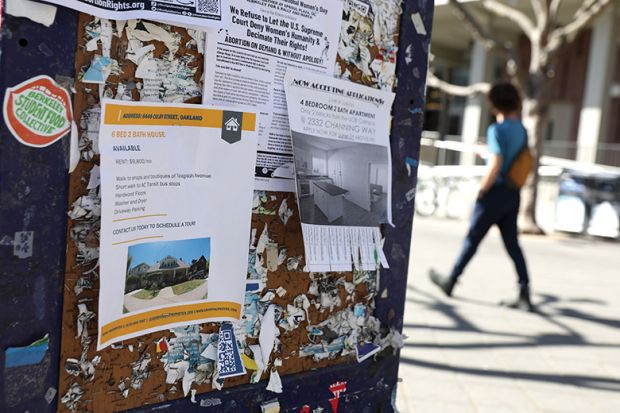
(177, 187)
(340, 132)
(188, 13)
(246, 63)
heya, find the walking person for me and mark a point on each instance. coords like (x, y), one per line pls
(497, 202)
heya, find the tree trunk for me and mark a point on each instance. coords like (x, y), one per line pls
(534, 119)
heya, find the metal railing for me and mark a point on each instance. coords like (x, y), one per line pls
(450, 149)
(446, 188)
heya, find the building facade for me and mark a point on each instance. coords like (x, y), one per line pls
(584, 117)
(168, 271)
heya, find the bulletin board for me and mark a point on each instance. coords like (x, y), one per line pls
(131, 375)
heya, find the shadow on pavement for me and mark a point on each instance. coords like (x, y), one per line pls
(600, 383)
(549, 307)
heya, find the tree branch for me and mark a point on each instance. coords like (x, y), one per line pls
(541, 12)
(582, 19)
(456, 90)
(489, 42)
(554, 7)
(503, 10)
(475, 27)
(584, 7)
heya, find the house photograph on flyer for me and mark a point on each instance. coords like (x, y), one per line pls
(168, 272)
(341, 183)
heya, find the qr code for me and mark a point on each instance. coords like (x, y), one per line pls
(208, 6)
(226, 353)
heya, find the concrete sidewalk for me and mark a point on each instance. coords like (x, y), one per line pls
(467, 354)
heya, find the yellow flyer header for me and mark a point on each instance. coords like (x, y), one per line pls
(118, 114)
(157, 318)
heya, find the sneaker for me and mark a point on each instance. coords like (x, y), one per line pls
(522, 302)
(445, 283)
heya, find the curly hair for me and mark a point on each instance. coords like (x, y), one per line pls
(504, 97)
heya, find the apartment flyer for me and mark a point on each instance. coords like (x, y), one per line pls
(340, 132)
(246, 63)
(187, 13)
(177, 187)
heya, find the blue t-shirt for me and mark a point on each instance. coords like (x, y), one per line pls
(506, 139)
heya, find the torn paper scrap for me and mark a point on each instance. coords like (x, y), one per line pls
(263, 240)
(94, 178)
(28, 355)
(268, 333)
(260, 364)
(72, 397)
(210, 352)
(147, 68)
(366, 350)
(136, 55)
(23, 244)
(271, 253)
(248, 362)
(188, 379)
(272, 406)
(210, 402)
(99, 70)
(140, 371)
(275, 383)
(50, 394)
(74, 148)
(292, 263)
(176, 371)
(33, 10)
(199, 38)
(418, 24)
(285, 212)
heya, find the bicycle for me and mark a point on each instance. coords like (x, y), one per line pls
(446, 191)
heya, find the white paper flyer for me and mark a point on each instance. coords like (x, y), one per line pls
(177, 186)
(246, 62)
(188, 13)
(340, 133)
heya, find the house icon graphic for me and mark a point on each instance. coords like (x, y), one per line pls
(232, 125)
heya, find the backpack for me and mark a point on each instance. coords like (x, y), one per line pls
(520, 168)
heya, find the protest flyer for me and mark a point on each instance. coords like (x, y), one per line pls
(246, 63)
(188, 13)
(177, 186)
(340, 132)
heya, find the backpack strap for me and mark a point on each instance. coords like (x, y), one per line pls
(516, 156)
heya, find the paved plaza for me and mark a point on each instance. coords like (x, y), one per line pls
(467, 354)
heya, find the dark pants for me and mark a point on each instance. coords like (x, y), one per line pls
(500, 205)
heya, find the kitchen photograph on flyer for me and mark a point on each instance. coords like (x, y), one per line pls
(341, 183)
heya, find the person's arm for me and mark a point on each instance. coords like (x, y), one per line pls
(494, 166)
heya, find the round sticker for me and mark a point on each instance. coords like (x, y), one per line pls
(38, 111)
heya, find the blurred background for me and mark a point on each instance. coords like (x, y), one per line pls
(466, 353)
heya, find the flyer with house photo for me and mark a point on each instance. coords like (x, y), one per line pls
(340, 132)
(177, 185)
